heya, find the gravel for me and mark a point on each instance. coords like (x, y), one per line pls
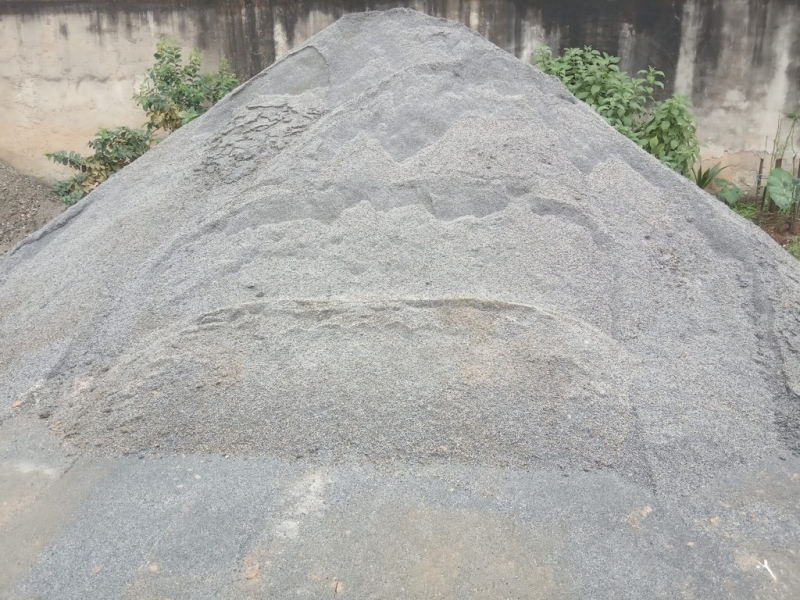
(402, 244)
(25, 205)
(400, 313)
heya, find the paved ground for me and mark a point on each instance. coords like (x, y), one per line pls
(77, 527)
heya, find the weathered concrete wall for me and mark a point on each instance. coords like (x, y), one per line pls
(67, 68)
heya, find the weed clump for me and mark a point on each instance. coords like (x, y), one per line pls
(665, 128)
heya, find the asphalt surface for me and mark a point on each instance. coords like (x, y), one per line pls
(200, 526)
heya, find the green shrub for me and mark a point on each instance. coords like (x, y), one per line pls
(670, 134)
(665, 129)
(705, 177)
(729, 192)
(781, 190)
(113, 149)
(173, 93)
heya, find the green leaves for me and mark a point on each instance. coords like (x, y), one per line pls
(782, 188)
(113, 149)
(729, 192)
(704, 178)
(174, 94)
(69, 159)
(673, 134)
(665, 129)
(120, 146)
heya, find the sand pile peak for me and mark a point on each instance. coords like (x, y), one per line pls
(401, 243)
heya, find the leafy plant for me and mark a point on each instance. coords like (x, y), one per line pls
(665, 129)
(596, 79)
(729, 192)
(175, 93)
(705, 177)
(172, 95)
(670, 135)
(113, 149)
(782, 188)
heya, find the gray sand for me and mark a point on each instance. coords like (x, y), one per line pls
(402, 248)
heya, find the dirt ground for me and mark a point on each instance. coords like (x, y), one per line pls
(26, 204)
(780, 227)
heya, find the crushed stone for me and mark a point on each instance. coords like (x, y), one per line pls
(399, 244)
(25, 206)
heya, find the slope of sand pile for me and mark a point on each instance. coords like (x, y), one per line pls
(400, 243)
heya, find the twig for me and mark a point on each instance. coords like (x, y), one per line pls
(766, 566)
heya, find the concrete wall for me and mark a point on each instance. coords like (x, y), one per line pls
(69, 67)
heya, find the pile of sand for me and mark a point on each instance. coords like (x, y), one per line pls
(400, 243)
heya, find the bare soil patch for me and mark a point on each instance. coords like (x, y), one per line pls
(26, 204)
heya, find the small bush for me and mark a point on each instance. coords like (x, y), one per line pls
(705, 177)
(113, 149)
(665, 129)
(729, 192)
(172, 95)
